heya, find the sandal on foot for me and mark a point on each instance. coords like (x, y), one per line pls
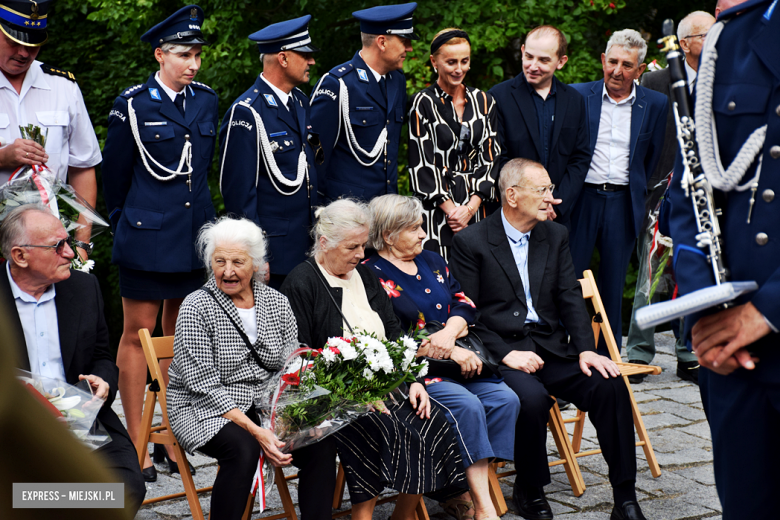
(459, 508)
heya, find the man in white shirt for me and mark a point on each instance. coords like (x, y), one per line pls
(32, 93)
(626, 127)
(60, 316)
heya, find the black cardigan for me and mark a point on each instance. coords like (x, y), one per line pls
(318, 319)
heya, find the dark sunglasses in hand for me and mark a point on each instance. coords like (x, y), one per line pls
(464, 138)
(59, 247)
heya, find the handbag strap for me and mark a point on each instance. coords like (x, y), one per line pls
(327, 290)
(240, 332)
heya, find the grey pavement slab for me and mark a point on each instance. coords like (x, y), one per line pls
(673, 416)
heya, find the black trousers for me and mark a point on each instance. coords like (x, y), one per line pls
(120, 456)
(316, 478)
(606, 401)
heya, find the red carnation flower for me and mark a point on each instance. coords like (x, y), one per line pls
(291, 379)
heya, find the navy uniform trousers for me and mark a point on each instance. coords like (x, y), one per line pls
(743, 408)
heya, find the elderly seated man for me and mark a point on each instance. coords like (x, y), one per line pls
(60, 317)
(518, 270)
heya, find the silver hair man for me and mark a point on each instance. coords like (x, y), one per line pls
(628, 39)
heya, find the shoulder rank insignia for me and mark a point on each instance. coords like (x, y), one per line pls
(202, 85)
(271, 100)
(341, 70)
(132, 91)
(155, 94)
(362, 75)
(57, 72)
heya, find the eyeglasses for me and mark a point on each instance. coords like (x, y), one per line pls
(59, 247)
(702, 36)
(538, 191)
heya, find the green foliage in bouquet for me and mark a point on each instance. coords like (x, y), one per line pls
(34, 133)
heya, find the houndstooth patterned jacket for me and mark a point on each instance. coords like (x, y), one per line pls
(212, 370)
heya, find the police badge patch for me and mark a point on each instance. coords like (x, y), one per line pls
(362, 75)
(155, 94)
(270, 99)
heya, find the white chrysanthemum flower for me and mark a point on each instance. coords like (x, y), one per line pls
(87, 266)
(329, 355)
(348, 351)
(409, 356)
(409, 343)
(368, 374)
(423, 369)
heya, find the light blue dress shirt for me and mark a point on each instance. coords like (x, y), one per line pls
(41, 330)
(518, 241)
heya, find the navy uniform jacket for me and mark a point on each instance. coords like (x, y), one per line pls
(746, 97)
(369, 113)
(248, 192)
(518, 132)
(155, 222)
(648, 127)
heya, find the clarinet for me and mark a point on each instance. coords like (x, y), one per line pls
(696, 185)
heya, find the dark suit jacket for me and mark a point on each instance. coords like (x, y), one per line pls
(83, 335)
(647, 137)
(481, 260)
(518, 134)
(660, 81)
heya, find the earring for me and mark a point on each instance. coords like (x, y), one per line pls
(435, 70)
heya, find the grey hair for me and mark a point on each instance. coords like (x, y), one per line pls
(392, 214)
(367, 39)
(235, 231)
(337, 219)
(175, 48)
(13, 230)
(513, 174)
(685, 27)
(629, 39)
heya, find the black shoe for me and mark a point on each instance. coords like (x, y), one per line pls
(688, 371)
(628, 511)
(637, 378)
(159, 453)
(173, 467)
(562, 405)
(531, 503)
(149, 474)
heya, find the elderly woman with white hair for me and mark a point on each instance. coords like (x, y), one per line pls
(159, 148)
(478, 404)
(230, 337)
(411, 449)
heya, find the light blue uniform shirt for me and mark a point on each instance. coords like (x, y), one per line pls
(518, 242)
(41, 330)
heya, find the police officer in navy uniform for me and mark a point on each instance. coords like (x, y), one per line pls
(160, 145)
(739, 348)
(359, 107)
(274, 184)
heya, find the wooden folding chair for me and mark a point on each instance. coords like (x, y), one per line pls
(156, 349)
(600, 325)
(567, 458)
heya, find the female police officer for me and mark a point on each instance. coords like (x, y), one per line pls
(160, 144)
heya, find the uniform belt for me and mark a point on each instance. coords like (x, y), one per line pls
(607, 186)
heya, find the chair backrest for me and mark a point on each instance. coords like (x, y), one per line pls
(156, 349)
(600, 321)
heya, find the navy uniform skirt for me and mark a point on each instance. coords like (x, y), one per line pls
(148, 285)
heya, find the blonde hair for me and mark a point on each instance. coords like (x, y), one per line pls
(392, 214)
(454, 41)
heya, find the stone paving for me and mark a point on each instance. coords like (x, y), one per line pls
(678, 431)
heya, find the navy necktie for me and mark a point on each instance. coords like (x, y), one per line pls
(179, 102)
(291, 104)
(383, 87)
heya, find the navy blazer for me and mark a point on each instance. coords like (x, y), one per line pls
(340, 173)
(648, 127)
(285, 218)
(746, 97)
(518, 134)
(155, 222)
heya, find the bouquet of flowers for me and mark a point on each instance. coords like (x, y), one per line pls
(657, 265)
(319, 391)
(74, 405)
(39, 185)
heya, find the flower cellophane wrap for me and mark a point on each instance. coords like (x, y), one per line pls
(38, 185)
(656, 266)
(77, 406)
(320, 391)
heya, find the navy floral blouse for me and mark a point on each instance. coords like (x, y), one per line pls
(430, 295)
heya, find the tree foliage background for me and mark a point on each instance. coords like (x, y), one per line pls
(99, 41)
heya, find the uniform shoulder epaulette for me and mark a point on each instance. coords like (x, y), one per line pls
(48, 69)
(132, 91)
(341, 70)
(202, 86)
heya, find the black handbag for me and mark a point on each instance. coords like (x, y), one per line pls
(451, 369)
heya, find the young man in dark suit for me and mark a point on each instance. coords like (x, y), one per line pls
(626, 126)
(518, 270)
(60, 316)
(542, 119)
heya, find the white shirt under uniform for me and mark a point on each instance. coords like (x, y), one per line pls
(613, 145)
(53, 102)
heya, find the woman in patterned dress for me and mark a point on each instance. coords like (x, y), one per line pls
(453, 151)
